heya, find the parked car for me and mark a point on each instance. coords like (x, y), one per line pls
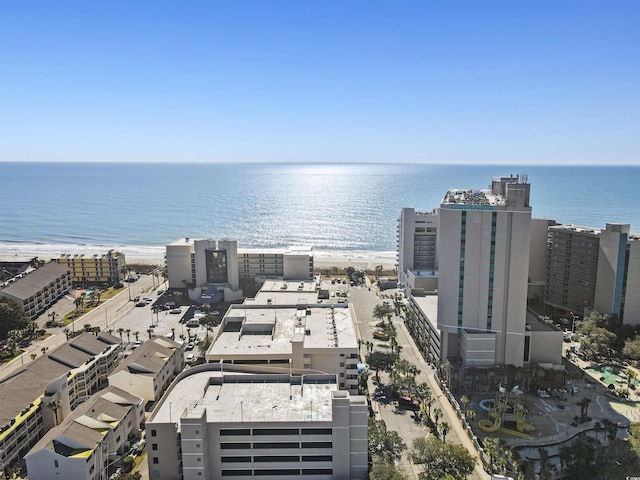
(141, 304)
(175, 311)
(190, 346)
(191, 357)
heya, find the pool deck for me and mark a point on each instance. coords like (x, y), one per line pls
(553, 417)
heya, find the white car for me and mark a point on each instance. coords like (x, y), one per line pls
(191, 357)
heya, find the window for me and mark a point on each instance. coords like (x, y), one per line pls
(316, 431)
(154, 446)
(280, 471)
(55, 462)
(246, 459)
(276, 445)
(232, 446)
(236, 473)
(155, 460)
(154, 433)
(275, 431)
(317, 444)
(273, 458)
(235, 431)
(317, 458)
(197, 445)
(317, 471)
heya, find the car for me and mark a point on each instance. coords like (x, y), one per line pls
(170, 304)
(175, 311)
(381, 336)
(141, 304)
(160, 292)
(191, 357)
(215, 312)
(193, 323)
(137, 344)
(190, 346)
(147, 299)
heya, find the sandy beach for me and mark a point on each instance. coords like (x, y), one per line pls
(154, 255)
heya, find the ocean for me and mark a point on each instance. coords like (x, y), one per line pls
(351, 209)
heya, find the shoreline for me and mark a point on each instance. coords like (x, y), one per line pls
(154, 255)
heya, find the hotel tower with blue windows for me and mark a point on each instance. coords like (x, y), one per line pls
(483, 252)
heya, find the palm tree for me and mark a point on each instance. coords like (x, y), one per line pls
(33, 356)
(437, 414)
(150, 332)
(128, 330)
(464, 401)
(121, 331)
(52, 316)
(66, 332)
(444, 429)
(44, 350)
(136, 335)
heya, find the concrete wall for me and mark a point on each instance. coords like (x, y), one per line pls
(179, 263)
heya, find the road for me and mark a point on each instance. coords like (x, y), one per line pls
(104, 316)
(402, 421)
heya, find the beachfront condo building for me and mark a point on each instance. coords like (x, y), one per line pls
(594, 269)
(483, 245)
(36, 290)
(285, 329)
(211, 270)
(417, 253)
(93, 438)
(102, 269)
(469, 307)
(290, 263)
(220, 421)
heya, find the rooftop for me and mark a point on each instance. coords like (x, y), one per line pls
(243, 397)
(35, 280)
(83, 430)
(148, 358)
(25, 385)
(270, 329)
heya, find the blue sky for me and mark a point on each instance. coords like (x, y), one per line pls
(327, 81)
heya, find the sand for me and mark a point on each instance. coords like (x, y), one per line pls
(154, 255)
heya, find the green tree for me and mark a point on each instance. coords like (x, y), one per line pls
(441, 460)
(384, 444)
(382, 311)
(384, 470)
(631, 349)
(129, 476)
(381, 361)
(403, 375)
(11, 317)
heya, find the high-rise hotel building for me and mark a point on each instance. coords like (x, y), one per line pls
(483, 256)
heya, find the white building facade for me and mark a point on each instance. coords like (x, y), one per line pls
(215, 424)
(483, 245)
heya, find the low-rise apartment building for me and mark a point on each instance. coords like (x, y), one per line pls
(216, 423)
(97, 269)
(94, 436)
(150, 368)
(40, 395)
(37, 290)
